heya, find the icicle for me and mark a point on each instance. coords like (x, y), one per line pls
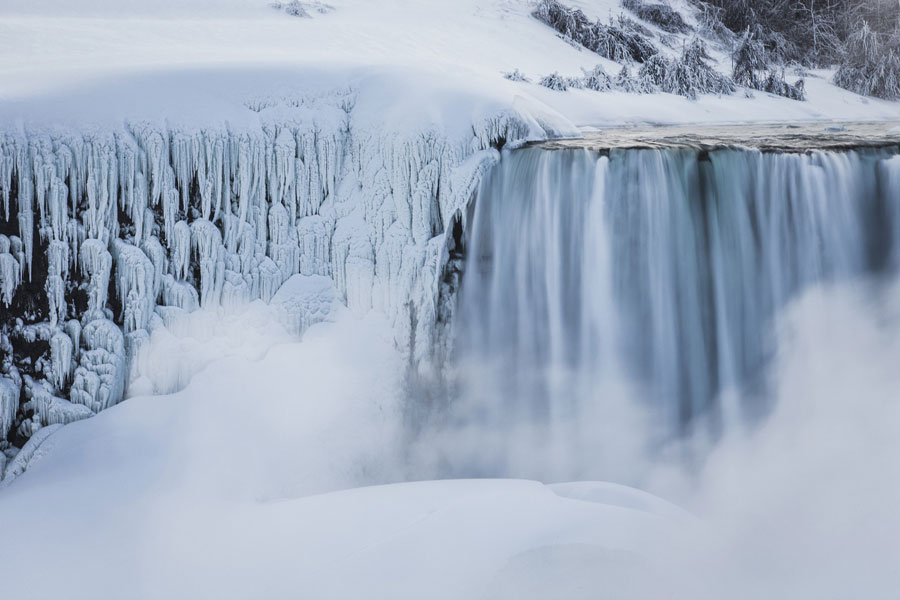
(135, 343)
(137, 209)
(25, 195)
(58, 208)
(314, 235)
(50, 409)
(61, 351)
(73, 330)
(96, 262)
(9, 403)
(17, 252)
(180, 247)
(7, 163)
(57, 273)
(157, 255)
(283, 248)
(9, 277)
(170, 203)
(135, 278)
(206, 241)
(100, 375)
(270, 278)
(180, 294)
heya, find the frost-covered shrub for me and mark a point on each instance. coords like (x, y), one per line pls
(608, 41)
(688, 76)
(662, 15)
(516, 75)
(620, 45)
(296, 8)
(709, 18)
(753, 69)
(871, 64)
(750, 58)
(694, 76)
(776, 84)
(573, 24)
(596, 79)
(810, 32)
(657, 71)
(626, 82)
(628, 24)
(555, 81)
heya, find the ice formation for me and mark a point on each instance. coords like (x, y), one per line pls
(119, 227)
(29, 452)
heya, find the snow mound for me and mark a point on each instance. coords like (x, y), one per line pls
(613, 494)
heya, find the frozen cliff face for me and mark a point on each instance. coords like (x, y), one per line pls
(102, 230)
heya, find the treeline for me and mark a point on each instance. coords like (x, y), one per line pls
(626, 41)
(861, 36)
(765, 38)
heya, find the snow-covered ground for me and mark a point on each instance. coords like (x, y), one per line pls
(49, 48)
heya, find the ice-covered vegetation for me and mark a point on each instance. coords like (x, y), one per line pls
(764, 39)
(662, 15)
(515, 75)
(295, 8)
(608, 41)
(871, 64)
(861, 36)
(689, 75)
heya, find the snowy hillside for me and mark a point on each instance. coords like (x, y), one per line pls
(51, 47)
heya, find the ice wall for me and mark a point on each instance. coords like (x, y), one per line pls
(662, 269)
(100, 228)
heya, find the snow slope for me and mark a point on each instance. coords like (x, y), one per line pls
(49, 46)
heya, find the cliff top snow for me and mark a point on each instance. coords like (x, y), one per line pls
(440, 60)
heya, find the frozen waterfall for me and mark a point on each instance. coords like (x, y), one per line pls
(654, 275)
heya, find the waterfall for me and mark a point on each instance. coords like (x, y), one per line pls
(651, 278)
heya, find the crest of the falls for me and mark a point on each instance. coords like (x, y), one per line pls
(648, 282)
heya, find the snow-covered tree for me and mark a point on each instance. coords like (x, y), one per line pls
(626, 82)
(516, 75)
(596, 79)
(871, 63)
(689, 76)
(755, 69)
(608, 41)
(555, 81)
(662, 15)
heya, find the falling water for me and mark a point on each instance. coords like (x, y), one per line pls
(651, 275)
